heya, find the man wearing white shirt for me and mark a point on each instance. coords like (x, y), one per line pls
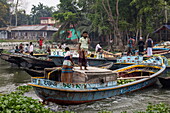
(98, 48)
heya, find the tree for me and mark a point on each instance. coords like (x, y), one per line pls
(4, 12)
(40, 11)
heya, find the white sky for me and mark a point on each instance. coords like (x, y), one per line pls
(27, 4)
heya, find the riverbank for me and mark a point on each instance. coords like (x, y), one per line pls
(16, 102)
(11, 77)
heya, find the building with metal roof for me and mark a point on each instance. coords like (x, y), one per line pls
(28, 32)
(163, 32)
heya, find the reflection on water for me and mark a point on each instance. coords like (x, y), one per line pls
(10, 77)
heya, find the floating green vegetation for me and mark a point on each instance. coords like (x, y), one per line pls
(15, 102)
(151, 108)
(24, 88)
(157, 108)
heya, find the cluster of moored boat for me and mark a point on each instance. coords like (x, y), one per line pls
(105, 77)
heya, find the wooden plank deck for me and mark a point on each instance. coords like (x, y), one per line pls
(92, 70)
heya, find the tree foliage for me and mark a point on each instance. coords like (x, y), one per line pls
(4, 13)
(40, 11)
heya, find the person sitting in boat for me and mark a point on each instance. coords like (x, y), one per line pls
(17, 49)
(66, 73)
(21, 48)
(83, 47)
(26, 50)
(98, 49)
(49, 51)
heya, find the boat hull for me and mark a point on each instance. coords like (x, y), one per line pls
(74, 97)
(1, 50)
(34, 73)
(164, 81)
(35, 62)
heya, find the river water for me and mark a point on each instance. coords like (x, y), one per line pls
(11, 77)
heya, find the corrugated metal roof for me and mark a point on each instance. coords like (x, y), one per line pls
(35, 28)
(6, 28)
(162, 28)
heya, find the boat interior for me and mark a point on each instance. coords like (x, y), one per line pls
(137, 72)
(98, 75)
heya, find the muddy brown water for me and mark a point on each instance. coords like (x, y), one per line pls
(11, 77)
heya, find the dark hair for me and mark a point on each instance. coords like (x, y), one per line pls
(85, 32)
(27, 44)
(67, 49)
(30, 43)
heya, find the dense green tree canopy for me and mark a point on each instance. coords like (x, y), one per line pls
(103, 19)
(4, 13)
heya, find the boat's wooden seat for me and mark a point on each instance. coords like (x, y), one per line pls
(137, 77)
(93, 75)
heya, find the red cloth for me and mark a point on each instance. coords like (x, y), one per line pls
(40, 42)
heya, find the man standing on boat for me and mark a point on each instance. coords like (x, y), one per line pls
(149, 44)
(83, 48)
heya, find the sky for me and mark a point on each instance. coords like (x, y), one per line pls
(27, 4)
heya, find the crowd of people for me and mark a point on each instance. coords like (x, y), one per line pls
(141, 46)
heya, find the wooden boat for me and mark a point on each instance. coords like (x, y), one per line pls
(165, 77)
(165, 81)
(58, 60)
(1, 50)
(93, 60)
(8, 58)
(41, 62)
(108, 65)
(127, 61)
(5, 56)
(34, 73)
(40, 72)
(96, 84)
(37, 55)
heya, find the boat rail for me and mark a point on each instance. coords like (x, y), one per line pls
(63, 85)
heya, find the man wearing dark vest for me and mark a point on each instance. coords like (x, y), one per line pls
(149, 44)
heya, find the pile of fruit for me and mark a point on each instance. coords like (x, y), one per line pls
(121, 82)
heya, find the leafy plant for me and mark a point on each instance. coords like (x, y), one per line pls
(158, 108)
(24, 88)
(15, 102)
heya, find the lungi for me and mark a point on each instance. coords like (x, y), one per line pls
(67, 72)
(149, 51)
(83, 57)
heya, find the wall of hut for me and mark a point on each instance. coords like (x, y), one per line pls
(31, 35)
